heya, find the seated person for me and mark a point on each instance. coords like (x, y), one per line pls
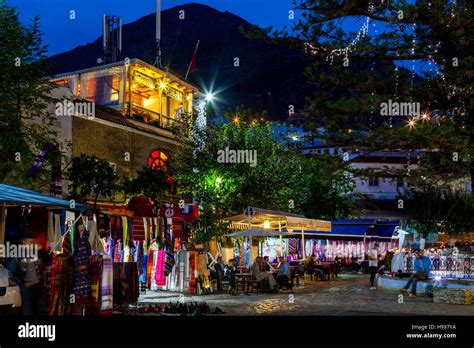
(266, 267)
(317, 271)
(284, 274)
(257, 274)
(422, 268)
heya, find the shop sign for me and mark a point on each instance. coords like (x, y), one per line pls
(308, 224)
(144, 80)
(174, 93)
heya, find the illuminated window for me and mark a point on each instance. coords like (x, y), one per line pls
(159, 159)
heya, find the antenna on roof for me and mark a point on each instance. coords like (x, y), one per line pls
(112, 37)
(158, 35)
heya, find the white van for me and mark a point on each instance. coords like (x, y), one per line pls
(10, 296)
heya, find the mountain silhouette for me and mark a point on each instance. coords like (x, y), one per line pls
(268, 77)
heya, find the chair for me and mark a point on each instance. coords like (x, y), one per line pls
(254, 284)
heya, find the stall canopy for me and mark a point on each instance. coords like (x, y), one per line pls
(256, 232)
(13, 195)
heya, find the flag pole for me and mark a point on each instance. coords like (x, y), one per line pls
(192, 58)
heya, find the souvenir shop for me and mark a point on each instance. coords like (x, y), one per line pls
(301, 237)
(348, 240)
(150, 250)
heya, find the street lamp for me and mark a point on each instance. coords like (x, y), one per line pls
(209, 97)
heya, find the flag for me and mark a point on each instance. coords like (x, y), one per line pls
(192, 64)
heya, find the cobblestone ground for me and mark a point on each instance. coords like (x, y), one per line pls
(346, 295)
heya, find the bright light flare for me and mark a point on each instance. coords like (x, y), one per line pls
(209, 97)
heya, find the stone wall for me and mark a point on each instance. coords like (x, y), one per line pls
(112, 142)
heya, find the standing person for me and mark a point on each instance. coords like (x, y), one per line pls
(27, 273)
(373, 264)
(219, 267)
(422, 268)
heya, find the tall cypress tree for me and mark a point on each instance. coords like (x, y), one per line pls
(25, 124)
(353, 74)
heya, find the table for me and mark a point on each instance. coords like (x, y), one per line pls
(328, 267)
(244, 279)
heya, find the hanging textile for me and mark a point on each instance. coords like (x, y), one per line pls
(140, 256)
(192, 273)
(169, 261)
(82, 280)
(95, 265)
(61, 282)
(149, 268)
(106, 295)
(147, 231)
(138, 228)
(118, 251)
(160, 277)
(126, 239)
(94, 239)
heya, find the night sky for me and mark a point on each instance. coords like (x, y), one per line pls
(63, 34)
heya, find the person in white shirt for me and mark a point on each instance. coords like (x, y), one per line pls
(373, 264)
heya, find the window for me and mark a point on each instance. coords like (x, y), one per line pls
(373, 181)
(159, 159)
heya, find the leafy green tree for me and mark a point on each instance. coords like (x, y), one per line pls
(441, 209)
(281, 179)
(90, 176)
(149, 182)
(25, 124)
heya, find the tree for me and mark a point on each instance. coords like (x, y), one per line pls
(149, 182)
(25, 125)
(279, 178)
(90, 176)
(441, 209)
(353, 74)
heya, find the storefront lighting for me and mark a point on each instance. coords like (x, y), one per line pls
(162, 85)
(266, 224)
(146, 102)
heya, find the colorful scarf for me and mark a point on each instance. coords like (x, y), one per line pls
(169, 260)
(106, 294)
(82, 280)
(160, 277)
(95, 275)
(149, 267)
(138, 228)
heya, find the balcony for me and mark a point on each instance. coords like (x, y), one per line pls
(154, 119)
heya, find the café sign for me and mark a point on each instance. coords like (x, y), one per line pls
(144, 80)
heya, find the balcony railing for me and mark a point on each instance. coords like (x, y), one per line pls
(154, 118)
